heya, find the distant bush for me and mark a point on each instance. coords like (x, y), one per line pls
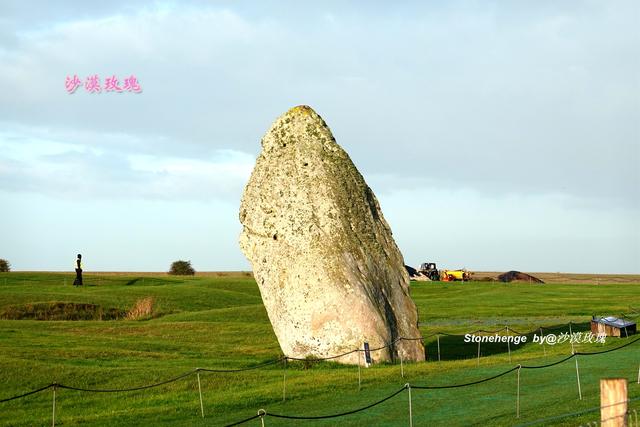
(182, 268)
(5, 266)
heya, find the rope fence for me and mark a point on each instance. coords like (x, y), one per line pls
(262, 413)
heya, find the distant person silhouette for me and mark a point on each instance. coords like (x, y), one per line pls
(78, 281)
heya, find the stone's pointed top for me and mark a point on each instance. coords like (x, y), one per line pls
(299, 125)
(300, 113)
(301, 110)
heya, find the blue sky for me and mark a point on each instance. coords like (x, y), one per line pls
(497, 135)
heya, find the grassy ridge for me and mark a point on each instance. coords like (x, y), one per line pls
(219, 322)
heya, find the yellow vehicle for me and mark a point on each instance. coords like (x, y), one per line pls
(453, 275)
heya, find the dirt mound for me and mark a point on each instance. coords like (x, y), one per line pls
(512, 275)
(58, 310)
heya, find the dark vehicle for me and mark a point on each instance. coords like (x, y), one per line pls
(430, 270)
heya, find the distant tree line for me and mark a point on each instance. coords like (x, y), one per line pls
(5, 266)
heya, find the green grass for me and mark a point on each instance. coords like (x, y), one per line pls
(221, 323)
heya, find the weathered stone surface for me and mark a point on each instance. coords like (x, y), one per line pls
(329, 271)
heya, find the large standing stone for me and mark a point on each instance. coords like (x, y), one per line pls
(329, 271)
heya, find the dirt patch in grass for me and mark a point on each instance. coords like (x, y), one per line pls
(142, 309)
(58, 310)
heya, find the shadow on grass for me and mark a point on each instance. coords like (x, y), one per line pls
(133, 281)
(454, 347)
(59, 310)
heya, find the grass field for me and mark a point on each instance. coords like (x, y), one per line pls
(218, 321)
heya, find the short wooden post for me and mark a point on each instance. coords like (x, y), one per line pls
(573, 349)
(570, 330)
(508, 343)
(518, 394)
(613, 402)
(200, 392)
(284, 379)
(571, 339)
(359, 375)
(438, 337)
(578, 378)
(408, 386)
(53, 419)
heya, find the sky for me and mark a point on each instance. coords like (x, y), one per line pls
(496, 135)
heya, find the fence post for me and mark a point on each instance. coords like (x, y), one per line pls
(573, 349)
(508, 343)
(570, 330)
(200, 392)
(53, 419)
(438, 337)
(359, 375)
(408, 386)
(284, 378)
(578, 376)
(518, 394)
(613, 402)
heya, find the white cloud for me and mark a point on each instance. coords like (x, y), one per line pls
(79, 171)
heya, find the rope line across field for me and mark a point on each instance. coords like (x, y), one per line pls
(263, 413)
